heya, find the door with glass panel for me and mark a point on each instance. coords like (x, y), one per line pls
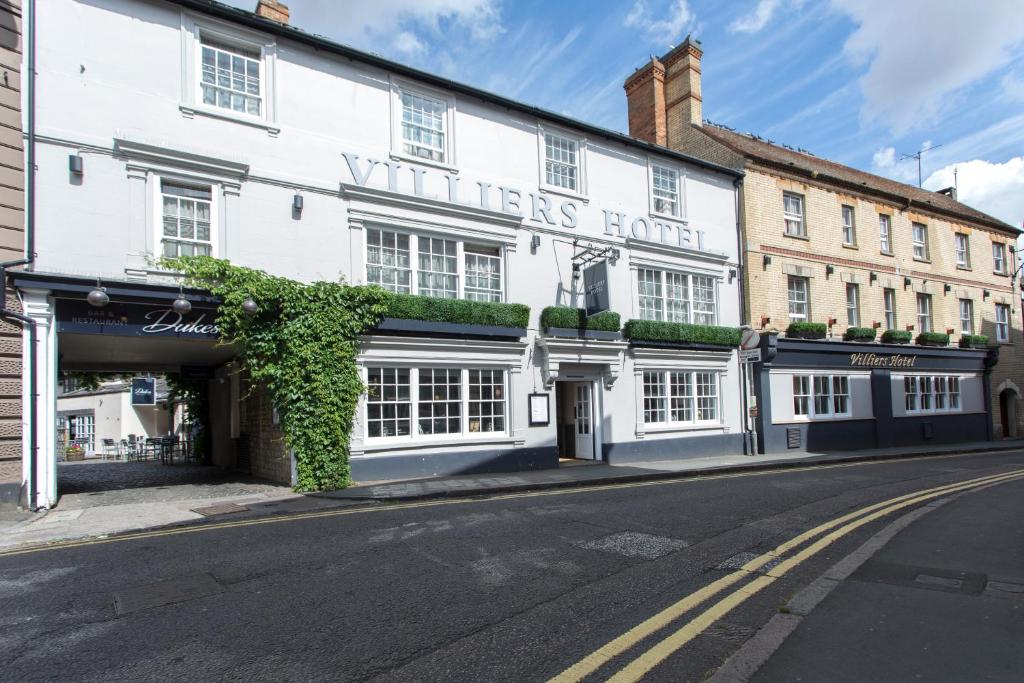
(583, 412)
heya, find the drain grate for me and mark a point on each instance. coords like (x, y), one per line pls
(635, 544)
(164, 593)
(219, 509)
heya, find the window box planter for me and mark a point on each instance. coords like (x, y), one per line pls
(896, 337)
(429, 315)
(973, 341)
(932, 339)
(806, 331)
(659, 333)
(562, 321)
(450, 329)
(859, 334)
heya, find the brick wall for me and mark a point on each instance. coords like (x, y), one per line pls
(270, 458)
(767, 290)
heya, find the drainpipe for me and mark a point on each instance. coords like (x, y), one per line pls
(749, 435)
(30, 253)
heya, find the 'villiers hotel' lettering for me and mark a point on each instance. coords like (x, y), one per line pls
(872, 360)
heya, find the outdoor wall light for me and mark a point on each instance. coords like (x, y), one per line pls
(75, 164)
(947, 288)
(872, 277)
(950, 330)
(732, 275)
(829, 270)
(765, 320)
(575, 272)
(615, 255)
(910, 328)
(98, 297)
(249, 306)
(181, 305)
(831, 322)
(907, 282)
(766, 261)
(297, 203)
(985, 294)
(534, 243)
(875, 324)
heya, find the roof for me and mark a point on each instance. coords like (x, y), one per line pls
(698, 151)
(770, 154)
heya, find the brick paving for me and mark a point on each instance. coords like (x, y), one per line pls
(89, 484)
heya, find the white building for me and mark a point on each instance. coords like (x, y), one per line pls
(186, 126)
(101, 418)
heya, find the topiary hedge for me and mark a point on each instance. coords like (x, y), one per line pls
(896, 337)
(933, 339)
(860, 334)
(806, 330)
(412, 307)
(973, 341)
(577, 319)
(657, 330)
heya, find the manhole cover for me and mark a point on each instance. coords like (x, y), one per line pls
(164, 593)
(635, 544)
(219, 509)
(737, 561)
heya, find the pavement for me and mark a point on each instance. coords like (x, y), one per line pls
(110, 497)
(491, 588)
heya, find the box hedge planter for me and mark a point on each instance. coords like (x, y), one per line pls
(806, 331)
(429, 315)
(659, 333)
(859, 334)
(932, 339)
(563, 321)
(973, 341)
(896, 337)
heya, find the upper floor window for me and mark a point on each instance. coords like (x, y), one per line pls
(665, 190)
(849, 227)
(424, 122)
(885, 233)
(799, 303)
(999, 258)
(1002, 323)
(793, 211)
(852, 305)
(677, 297)
(187, 220)
(230, 77)
(561, 162)
(966, 316)
(924, 312)
(889, 304)
(962, 249)
(432, 266)
(919, 233)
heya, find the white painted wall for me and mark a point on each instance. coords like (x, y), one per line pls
(116, 417)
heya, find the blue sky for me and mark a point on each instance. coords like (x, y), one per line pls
(857, 81)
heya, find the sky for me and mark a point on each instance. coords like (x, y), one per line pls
(861, 82)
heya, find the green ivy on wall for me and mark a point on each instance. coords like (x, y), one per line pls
(301, 344)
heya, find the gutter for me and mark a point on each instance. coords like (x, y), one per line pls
(27, 260)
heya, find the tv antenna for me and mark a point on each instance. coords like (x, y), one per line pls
(917, 155)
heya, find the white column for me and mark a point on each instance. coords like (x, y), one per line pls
(228, 243)
(140, 229)
(517, 405)
(38, 306)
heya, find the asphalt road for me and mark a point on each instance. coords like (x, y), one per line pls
(519, 587)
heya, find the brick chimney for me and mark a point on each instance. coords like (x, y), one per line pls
(273, 10)
(663, 96)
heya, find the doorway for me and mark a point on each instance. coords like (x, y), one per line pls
(1008, 413)
(575, 417)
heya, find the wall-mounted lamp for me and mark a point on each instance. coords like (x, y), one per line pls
(829, 270)
(98, 297)
(950, 330)
(575, 272)
(76, 164)
(907, 282)
(766, 261)
(615, 255)
(947, 288)
(985, 294)
(534, 243)
(732, 275)
(297, 203)
(872, 277)
(181, 305)
(249, 306)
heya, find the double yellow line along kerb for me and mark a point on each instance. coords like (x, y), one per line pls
(647, 660)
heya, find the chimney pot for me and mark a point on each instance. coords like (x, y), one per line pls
(273, 10)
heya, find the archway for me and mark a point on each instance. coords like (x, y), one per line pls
(1008, 413)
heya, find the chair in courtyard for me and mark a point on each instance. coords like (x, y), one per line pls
(110, 448)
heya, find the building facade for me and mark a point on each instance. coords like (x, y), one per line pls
(281, 151)
(868, 259)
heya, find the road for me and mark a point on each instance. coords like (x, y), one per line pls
(640, 581)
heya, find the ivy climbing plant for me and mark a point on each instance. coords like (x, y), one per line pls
(301, 344)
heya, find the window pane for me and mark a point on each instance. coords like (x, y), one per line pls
(680, 397)
(665, 190)
(437, 274)
(483, 274)
(677, 298)
(486, 401)
(649, 287)
(707, 396)
(560, 161)
(388, 403)
(654, 397)
(440, 401)
(423, 126)
(798, 309)
(230, 76)
(387, 260)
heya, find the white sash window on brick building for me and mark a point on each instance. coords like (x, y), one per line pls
(793, 213)
(1002, 323)
(885, 233)
(799, 308)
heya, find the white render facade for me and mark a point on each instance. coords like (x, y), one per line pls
(316, 165)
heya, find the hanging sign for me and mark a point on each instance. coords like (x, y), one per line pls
(595, 287)
(143, 391)
(540, 411)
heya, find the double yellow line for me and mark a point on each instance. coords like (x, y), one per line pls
(647, 660)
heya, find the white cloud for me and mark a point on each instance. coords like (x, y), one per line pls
(996, 189)
(407, 43)
(1013, 86)
(756, 20)
(677, 18)
(921, 52)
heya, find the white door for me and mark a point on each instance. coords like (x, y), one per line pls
(584, 422)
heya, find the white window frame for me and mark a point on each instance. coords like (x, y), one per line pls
(928, 316)
(788, 216)
(1003, 326)
(414, 250)
(885, 233)
(810, 382)
(962, 249)
(398, 86)
(849, 228)
(680, 213)
(667, 379)
(966, 306)
(920, 245)
(193, 28)
(581, 162)
(157, 216)
(999, 258)
(806, 282)
(852, 304)
(414, 437)
(662, 281)
(889, 307)
(917, 401)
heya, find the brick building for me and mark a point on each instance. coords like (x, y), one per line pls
(826, 243)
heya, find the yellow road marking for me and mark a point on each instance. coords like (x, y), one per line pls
(643, 664)
(387, 507)
(626, 641)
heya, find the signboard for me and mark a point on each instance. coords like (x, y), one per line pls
(874, 360)
(143, 391)
(749, 338)
(135, 320)
(595, 287)
(750, 355)
(540, 411)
